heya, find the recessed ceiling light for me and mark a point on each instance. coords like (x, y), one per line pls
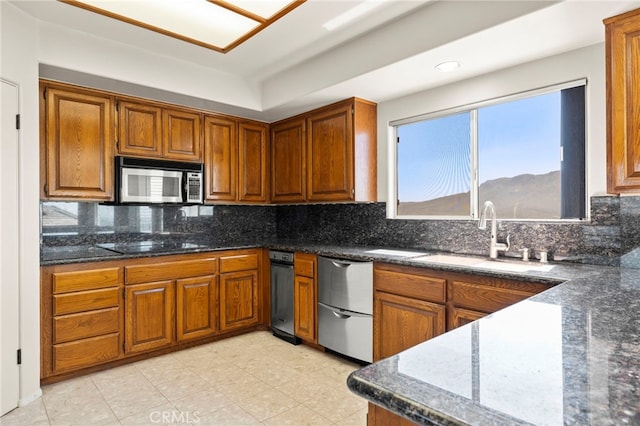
(351, 14)
(447, 66)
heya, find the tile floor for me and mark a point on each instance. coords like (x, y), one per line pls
(253, 379)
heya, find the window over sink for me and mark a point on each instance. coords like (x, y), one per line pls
(524, 152)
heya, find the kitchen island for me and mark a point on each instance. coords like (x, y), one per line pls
(570, 355)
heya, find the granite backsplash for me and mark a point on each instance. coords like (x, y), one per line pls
(64, 224)
(611, 237)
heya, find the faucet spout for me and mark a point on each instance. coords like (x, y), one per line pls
(494, 246)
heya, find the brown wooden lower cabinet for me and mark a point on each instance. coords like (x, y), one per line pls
(461, 316)
(305, 297)
(93, 314)
(83, 353)
(238, 300)
(81, 317)
(380, 416)
(401, 322)
(149, 316)
(196, 307)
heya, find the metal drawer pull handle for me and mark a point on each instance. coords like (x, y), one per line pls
(339, 315)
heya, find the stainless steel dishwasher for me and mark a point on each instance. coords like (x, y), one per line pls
(345, 307)
(281, 263)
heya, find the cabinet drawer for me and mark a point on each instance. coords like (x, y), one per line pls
(65, 282)
(304, 266)
(485, 298)
(84, 301)
(169, 270)
(398, 280)
(241, 262)
(85, 352)
(86, 324)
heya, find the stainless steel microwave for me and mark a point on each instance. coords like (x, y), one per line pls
(145, 181)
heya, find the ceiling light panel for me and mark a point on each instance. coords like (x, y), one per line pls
(264, 8)
(215, 24)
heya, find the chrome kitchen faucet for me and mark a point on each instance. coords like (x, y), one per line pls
(494, 246)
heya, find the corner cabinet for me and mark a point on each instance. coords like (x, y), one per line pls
(236, 160)
(623, 102)
(328, 154)
(77, 143)
(341, 152)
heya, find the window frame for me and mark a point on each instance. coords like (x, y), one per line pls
(472, 109)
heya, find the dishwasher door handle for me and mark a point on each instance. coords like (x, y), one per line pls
(343, 313)
(340, 264)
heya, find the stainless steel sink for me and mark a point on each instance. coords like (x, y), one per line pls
(476, 262)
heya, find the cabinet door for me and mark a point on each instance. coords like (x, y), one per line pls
(221, 158)
(305, 305)
(400, 322)
(623, 102)
(140, 129)
(196, 307)
(79, 144)
(330, 155)
(459, 317)
(252, 162)
(149, 316)
(288, 168)
(378, 416)
(238, 300)
(182, 135)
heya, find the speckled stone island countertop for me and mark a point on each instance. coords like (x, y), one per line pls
(569, 355)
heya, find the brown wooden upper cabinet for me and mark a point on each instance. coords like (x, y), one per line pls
(328, 154)
(288, 167)
(236, 158)
(623, 102)
(77, 143)
(147, 129)
(253, 160)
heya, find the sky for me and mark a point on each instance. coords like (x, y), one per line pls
(514, 138)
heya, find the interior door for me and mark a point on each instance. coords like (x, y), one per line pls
(9, 202)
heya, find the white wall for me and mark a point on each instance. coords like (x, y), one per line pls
(19, 64)
(78, 51)
(588, 62)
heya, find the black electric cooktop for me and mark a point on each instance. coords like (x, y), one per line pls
(149, 247)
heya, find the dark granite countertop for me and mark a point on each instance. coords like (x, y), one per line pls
(59, 255)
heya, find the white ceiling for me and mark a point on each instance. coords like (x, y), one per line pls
(296, 64)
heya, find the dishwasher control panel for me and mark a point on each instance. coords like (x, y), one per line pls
(281, 256)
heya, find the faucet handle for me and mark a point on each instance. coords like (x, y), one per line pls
(525, 254)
